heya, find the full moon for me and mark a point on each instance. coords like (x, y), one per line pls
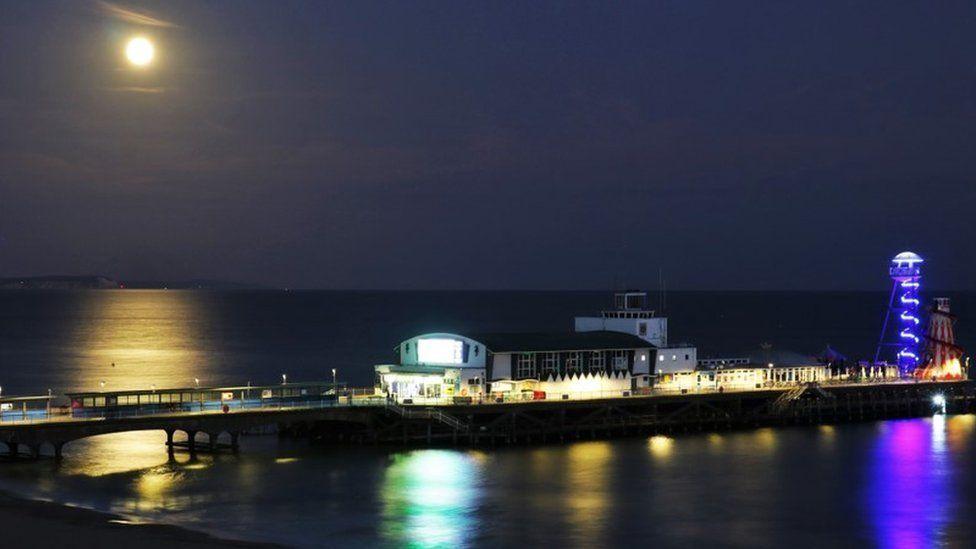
(139, 51)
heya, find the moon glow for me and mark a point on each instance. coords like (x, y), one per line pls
(139, 51)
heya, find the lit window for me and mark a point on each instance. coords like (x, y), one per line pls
(643, 358)
(572, 362)
(526, 366)
(674, 357)
(597, 361)
(620, 360)
(660, 358)
(550, 363)
(439, 351)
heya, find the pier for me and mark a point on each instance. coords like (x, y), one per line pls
(322, 413)
(558, 421)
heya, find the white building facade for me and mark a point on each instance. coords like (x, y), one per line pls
(445, 366)
(631, 315)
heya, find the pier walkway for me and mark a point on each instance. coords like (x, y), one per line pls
(35, 426)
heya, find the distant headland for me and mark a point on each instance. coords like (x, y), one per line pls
(59, 282)
(99, 282)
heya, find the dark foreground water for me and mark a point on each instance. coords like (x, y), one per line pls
(888, 484)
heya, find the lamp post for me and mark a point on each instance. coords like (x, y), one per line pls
(334, 380)
(196, 381)
(284, 379)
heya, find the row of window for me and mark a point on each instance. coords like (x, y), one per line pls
(660, 357)
(154, 398)
(593, 361)
(791, 374)
(168, 398)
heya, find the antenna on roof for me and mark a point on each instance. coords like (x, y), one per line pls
(664, 296)
(662, 290)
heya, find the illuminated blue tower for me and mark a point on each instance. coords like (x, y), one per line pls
(906, 276)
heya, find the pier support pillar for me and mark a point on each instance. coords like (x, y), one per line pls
(234, 441)
(169, 437)
(58, 446)
(12, 448)
(35, 451)
(191, 441)
(212, 441)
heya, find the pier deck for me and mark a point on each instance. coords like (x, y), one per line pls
(377, 421)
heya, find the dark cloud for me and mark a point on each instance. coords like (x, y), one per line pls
(132, 16)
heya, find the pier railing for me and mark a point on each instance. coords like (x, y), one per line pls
(65, 414)
(427, 413)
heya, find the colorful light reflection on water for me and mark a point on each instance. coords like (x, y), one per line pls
(430, 498)
(911, 494)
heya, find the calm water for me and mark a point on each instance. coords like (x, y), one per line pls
(887, 484)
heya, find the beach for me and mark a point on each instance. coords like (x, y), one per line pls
(37, 523)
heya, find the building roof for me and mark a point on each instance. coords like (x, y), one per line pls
(418, 368)
(559, 341)
(781, 358)
(908, 257)
(26, 398)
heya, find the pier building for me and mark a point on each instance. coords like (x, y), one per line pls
(25, 408)
(739, 377)
(193, 399)
(632, 315)
(446, 366)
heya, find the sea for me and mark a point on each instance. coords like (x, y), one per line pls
(899, 484)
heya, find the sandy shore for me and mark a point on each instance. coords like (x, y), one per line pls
(29, 523)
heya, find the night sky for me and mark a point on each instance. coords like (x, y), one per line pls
(509, 145)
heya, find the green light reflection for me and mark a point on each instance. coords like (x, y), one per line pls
(430, 498)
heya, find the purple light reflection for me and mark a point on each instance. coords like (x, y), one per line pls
(909, 491)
